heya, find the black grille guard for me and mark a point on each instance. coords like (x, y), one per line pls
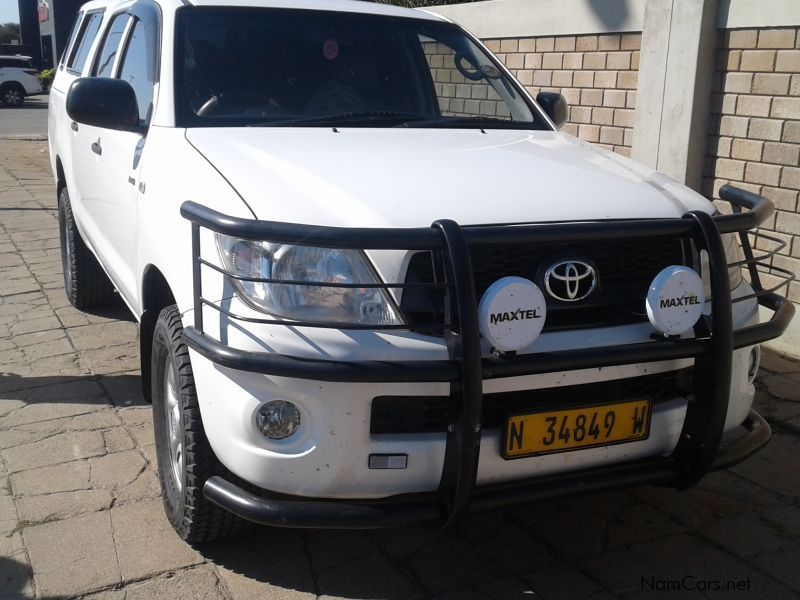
(711, 347)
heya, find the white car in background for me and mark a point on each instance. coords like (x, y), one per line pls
(375, 284)
(18, 78)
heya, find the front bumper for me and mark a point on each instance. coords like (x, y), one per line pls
(711, 348)
(300, 512)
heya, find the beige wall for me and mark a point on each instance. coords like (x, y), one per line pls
(457, 95)
(597, 75)
(754, 137)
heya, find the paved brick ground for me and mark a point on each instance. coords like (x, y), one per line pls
(80, 513)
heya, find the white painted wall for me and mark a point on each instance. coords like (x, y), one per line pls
(536, 18)
(739, 14)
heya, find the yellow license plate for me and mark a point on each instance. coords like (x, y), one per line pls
(575, 429)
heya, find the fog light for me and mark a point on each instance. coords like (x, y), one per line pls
(755, 362)
(278, 419)
(675, 300)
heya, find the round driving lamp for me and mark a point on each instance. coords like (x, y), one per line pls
(278, 419)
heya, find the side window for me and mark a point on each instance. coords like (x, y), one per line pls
(108, 52)
(83, 43)
(5, 63)
(70, 39)
(139, 66)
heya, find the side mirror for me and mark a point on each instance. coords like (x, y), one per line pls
(103, 102)
(554, 105)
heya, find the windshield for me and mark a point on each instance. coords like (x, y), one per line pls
(286, 67)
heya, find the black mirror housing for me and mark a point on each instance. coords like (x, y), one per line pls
(555, 106)
(103, 102)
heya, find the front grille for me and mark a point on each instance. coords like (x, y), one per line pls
(429, 414)
(625, 270)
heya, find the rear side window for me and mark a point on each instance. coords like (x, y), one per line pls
(13, 63)
(83, 43)
(105, 60)
(70, 39)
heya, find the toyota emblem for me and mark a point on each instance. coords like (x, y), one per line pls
(570, 280)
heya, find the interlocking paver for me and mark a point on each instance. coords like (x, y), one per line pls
(73, 556)
(81, 515)
(53, 450)
(62, 505)
(49, 480)
(145, 542)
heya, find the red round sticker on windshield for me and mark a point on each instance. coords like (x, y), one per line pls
(330, 49)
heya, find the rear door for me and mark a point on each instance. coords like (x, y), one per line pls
(110, 160)
(63, 132)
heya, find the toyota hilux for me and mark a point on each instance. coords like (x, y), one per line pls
(375, 283)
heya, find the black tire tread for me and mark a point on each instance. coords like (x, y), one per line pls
(89, 287)
(202, 520)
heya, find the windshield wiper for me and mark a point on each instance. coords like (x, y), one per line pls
(366, 116)
(472, 120)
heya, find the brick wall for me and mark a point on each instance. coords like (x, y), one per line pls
(596, 74)
(754, 137)
(457, 95)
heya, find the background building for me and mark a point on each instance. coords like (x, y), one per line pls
(45, 27)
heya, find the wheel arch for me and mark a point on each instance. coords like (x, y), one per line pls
(156, 294)
(61, 178)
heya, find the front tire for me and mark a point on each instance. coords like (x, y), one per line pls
(185, 458)
(85, 283)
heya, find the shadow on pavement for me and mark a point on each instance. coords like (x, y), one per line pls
(119, 390)
(116, 310)
(27, 104)
(14, 578)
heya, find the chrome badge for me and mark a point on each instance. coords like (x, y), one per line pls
(570, 280)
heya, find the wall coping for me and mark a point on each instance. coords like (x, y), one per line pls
(537, 18)
(743, 14)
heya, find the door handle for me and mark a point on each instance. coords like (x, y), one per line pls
(96, 147)
(74, 126)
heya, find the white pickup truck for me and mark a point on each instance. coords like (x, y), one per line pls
(375, 284)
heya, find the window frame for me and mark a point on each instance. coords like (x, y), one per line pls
(143, 11)
(120, 45)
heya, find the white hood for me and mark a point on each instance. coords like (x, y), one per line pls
(411, 177)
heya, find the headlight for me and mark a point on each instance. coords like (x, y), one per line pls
(733, 254)
(263, 260)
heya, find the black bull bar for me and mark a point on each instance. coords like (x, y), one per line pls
(697, 452)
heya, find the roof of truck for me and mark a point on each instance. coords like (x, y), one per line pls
(353, 6)
(356, 6)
